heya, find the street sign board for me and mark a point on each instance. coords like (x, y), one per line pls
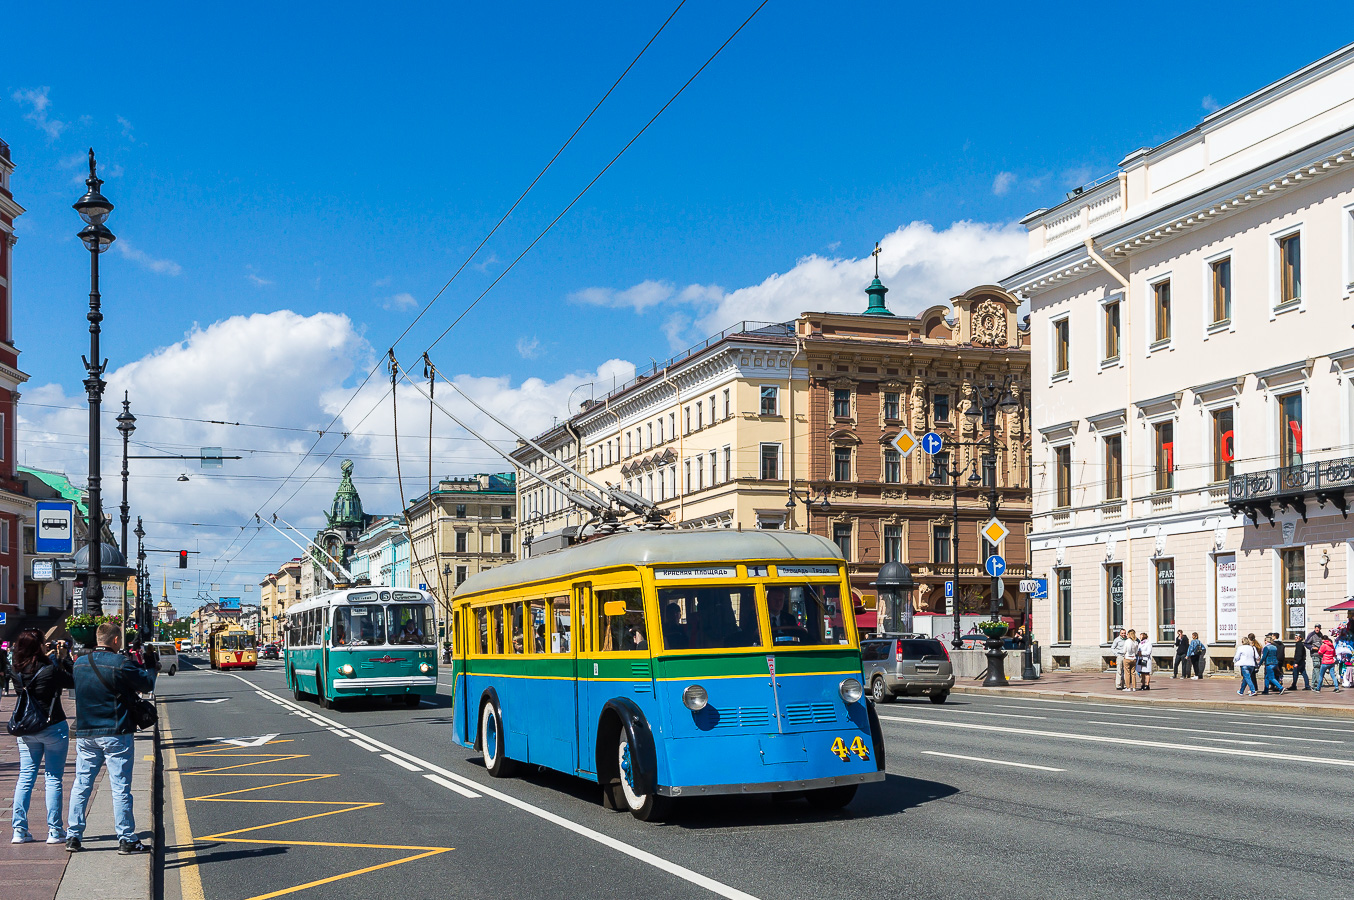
(44, 570)
(3, 616)
(995, 531)
(56, 528)
(904, 442)
(1001, 587)
(422, 587)
(949, 590)
(995, 565)
(1037, 588)
(932, 443)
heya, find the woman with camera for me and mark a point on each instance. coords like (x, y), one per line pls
(42, 672)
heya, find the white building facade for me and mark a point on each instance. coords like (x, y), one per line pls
(1192, 404)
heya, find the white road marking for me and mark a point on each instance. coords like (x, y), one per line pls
(644, 856)
(1231, 741)
(1242, 734)
(217, 700)
(1297, 727)
(449, 785)
(995, 762)
(976, 712)
(249, 741)
(1140, 716)
(399, 762)
(1131, 742)
(364, 745)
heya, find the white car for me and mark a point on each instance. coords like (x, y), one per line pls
(169, 657)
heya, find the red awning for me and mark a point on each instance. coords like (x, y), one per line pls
(1348, 604)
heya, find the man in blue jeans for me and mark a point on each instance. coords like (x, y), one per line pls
(105, 732)
(1269, 658)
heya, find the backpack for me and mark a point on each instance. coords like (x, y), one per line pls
(28, 717)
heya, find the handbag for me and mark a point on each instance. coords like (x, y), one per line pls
(143, 712)
(28, 717)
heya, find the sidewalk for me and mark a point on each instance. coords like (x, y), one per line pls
(39, 871)
(1213, 692)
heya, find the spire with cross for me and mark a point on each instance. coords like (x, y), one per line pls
(876, 290)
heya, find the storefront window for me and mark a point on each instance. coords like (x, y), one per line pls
(1165, 600)
(1064, 577)
(1294, 591)
(1114, 599)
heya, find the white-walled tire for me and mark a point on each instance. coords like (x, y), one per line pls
(491, 743)
(648, 807)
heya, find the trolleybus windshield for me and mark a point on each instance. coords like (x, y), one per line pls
(409, 623)
(696, 617)
(235, 641)
(358, 625)
(805, 614)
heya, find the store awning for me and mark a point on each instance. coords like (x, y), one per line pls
(1348, 604)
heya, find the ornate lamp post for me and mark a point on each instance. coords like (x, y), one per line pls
(142, 595)
(94, 208)
(948, 475)
(126, 425)
(810, 505)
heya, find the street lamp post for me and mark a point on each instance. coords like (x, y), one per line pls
(142, 603)
(942, 475)
(94, 208)
(126, 425)
(810, 504)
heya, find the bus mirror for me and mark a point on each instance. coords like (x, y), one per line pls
(613, 608)
(869, 601)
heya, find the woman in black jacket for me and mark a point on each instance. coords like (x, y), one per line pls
(43, 677)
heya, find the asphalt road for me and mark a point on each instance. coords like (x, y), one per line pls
(985, 796)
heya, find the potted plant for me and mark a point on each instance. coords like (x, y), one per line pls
(84, 628)
(994, 631)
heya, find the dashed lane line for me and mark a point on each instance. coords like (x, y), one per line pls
(995, 762)
(450, 785)
(401, 763)
(1238, 734)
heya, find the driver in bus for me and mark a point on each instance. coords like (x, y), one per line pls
(411, 633)
(775, 607)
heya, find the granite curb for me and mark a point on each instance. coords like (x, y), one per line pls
(1136, 699)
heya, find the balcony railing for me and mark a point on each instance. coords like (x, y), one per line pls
(1256, 493)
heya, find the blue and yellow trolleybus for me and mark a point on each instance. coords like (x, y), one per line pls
(362, 642)
(669, 664)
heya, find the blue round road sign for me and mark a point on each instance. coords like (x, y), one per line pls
(996, 566)
(932, 442)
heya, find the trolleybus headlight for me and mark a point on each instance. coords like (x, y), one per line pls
(851, 690)
(694, 698)
(345, 669)
(424, 667)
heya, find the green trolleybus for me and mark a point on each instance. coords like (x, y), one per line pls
(362, 642)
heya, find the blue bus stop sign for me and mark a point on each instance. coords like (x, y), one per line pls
(56, 528)
(995, 566)
(932, 442)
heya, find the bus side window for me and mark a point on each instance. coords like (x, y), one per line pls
(482, 629)
(536, 625)
(618, 633)
(559, 625)
(498, 630)
(583, 593)
(515, 645)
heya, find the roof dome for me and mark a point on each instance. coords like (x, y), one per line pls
(346, 510)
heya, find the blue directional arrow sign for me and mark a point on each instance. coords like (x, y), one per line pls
(996, 566)
(932, 443)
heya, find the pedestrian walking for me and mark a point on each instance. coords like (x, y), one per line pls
(1269, 658)
(1283, 655)
(1145, 662)
(42, 677)
(1198, 655)
(4, 668)
(1128, 660)
(1181, 655)
(1246, 659)
(105, 681)
(1300, 666)
(1313, 642)
(1117, 652)
(1326, 658)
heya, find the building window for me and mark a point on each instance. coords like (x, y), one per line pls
(1290, 269)
(728, 463)
(1164, 436)
(1165, 600)
(712, 409)
(770, 396)
(648, 429)
(686, 480)
(940, 474)
(841, 536)
(1112, 330)
(1064, 579)
(700, 416)
(841, 403)
(1222, 290)
(1061, 347)
(686, 419)
(1114, 467)
(989, 470)
(1161, 311)
(460, 510)
(1062, 464)
(461, 541)
(505, 512)
(700, 472)
(940, 544)
(893, 467)
(841, 463)
(714, 469)
(770, 462)
(1224, 453)
(660, 429)
(629, 450)
(649, 482)
(728, 404)
(672, 426)
(505, 542)
(940, 407)
(893, 543)
(1290, 430)
(662, 485)
(1114, 599)
(1294, 565)
(891, 405)
(461, 575)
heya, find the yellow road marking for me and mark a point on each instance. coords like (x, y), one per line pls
(190, 879)
(332, 812)
(333, 878)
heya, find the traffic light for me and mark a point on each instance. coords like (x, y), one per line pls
(183, 559)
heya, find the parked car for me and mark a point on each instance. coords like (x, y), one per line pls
(908, 665)
(169, 657)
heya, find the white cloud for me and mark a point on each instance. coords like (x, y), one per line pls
(256, 279)
(1002, 184)
(38, 102)
(146, 261)
(403, 300)
(529, 348)
(126, 129)
(646, 294)
(1210, 105)
(287, 370)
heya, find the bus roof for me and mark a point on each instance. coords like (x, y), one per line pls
(637, 548)
(341, 596)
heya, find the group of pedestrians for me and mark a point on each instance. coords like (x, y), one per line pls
(1134, 654)
(104, 683)
(1270, 660)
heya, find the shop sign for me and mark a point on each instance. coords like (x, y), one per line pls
(1226, 587)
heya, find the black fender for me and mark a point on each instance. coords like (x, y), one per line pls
(489, 696)
(643, 752)
(877, 734)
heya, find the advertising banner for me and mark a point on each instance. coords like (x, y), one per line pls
(1226, 600)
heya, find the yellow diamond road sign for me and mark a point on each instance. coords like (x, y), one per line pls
(995, 532)
(905, 442)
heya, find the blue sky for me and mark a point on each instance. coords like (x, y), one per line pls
(344, 158)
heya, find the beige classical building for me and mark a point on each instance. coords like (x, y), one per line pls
(1191, 379)
(466, 525)
(277, 592)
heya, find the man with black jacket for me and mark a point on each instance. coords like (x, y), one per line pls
(104, 732)
(1300, 666)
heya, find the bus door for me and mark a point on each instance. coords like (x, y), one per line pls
(585, 665)
(460, 663)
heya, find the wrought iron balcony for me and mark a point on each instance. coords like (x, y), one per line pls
(1256, 493)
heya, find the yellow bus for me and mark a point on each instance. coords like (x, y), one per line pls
(231, 647)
